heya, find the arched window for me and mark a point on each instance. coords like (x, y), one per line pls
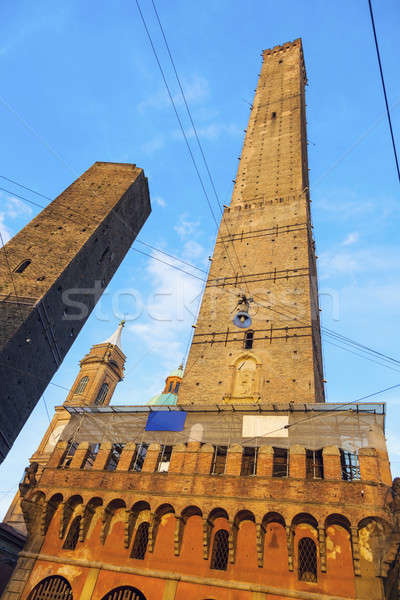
(81, 385)
(177, 387)
(73, 535)
(248, 339)
(141, 539)
(52, 588)
(125, 592)
(22, 266)
(220, 551)
(307, 560)
(101, 396)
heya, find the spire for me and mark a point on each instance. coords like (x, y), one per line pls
(115, 338)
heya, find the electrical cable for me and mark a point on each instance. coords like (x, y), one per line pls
(184, 134)
(169, 265)
(384, 88)
(198, 141)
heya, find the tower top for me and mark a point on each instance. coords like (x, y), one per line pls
(115, 338)
(283, 48)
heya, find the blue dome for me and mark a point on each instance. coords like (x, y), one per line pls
(163, 399)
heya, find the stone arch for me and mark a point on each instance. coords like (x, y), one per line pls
(214, 521)
(69, 508)
(217, 513)
(243, 539)
(339, 561)
(88, 514)
(126, 592)
(191, 510)
(273, 517)
(305, 518)
(49, 511)
(338, 519)
(372, 539)
(139, 512)
(52, 588)
(160, 527)
(107, 517)
(304, 525)
(33, 508)
(189, 532)
(245, 376)
(273, 546)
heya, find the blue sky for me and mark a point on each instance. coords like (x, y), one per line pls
(80, 84)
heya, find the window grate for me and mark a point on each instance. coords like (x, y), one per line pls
(52, 588)
(219, 460)
(73, 535)
(220, 552)
(249, 461)
(124, 593)
(307, 560)
(350, 466)
(280, 467)
(90, 457)
(81, 385)
(101, 396)
(164, 458)
(138, 457)
(314, 464)
(68, 455)
(141, 540)
(113, 459)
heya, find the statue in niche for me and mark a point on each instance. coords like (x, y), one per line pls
(245, 378)
(29, 478)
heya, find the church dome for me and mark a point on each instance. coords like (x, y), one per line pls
(163, 399)
(177, 373)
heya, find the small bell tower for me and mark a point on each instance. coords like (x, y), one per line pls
(101, 369)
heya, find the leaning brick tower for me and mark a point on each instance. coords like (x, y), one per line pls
(52, 274)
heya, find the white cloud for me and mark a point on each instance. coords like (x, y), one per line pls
(212, 131)
(185, 228)
(5, 232)
(352, 238)
(153, 145)
(16, 208)
(380, 259)
(170, 307)
(196, 90)
(160, 201)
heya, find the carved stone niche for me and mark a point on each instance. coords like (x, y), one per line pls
(245, 380)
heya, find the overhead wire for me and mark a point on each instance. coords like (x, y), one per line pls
(343, 339)
(384, 88)
(224, 221)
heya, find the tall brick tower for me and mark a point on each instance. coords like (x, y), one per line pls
(265, 253)
(53, 272)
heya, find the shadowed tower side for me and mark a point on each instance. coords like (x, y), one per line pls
(52, 274)
(264, 252)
